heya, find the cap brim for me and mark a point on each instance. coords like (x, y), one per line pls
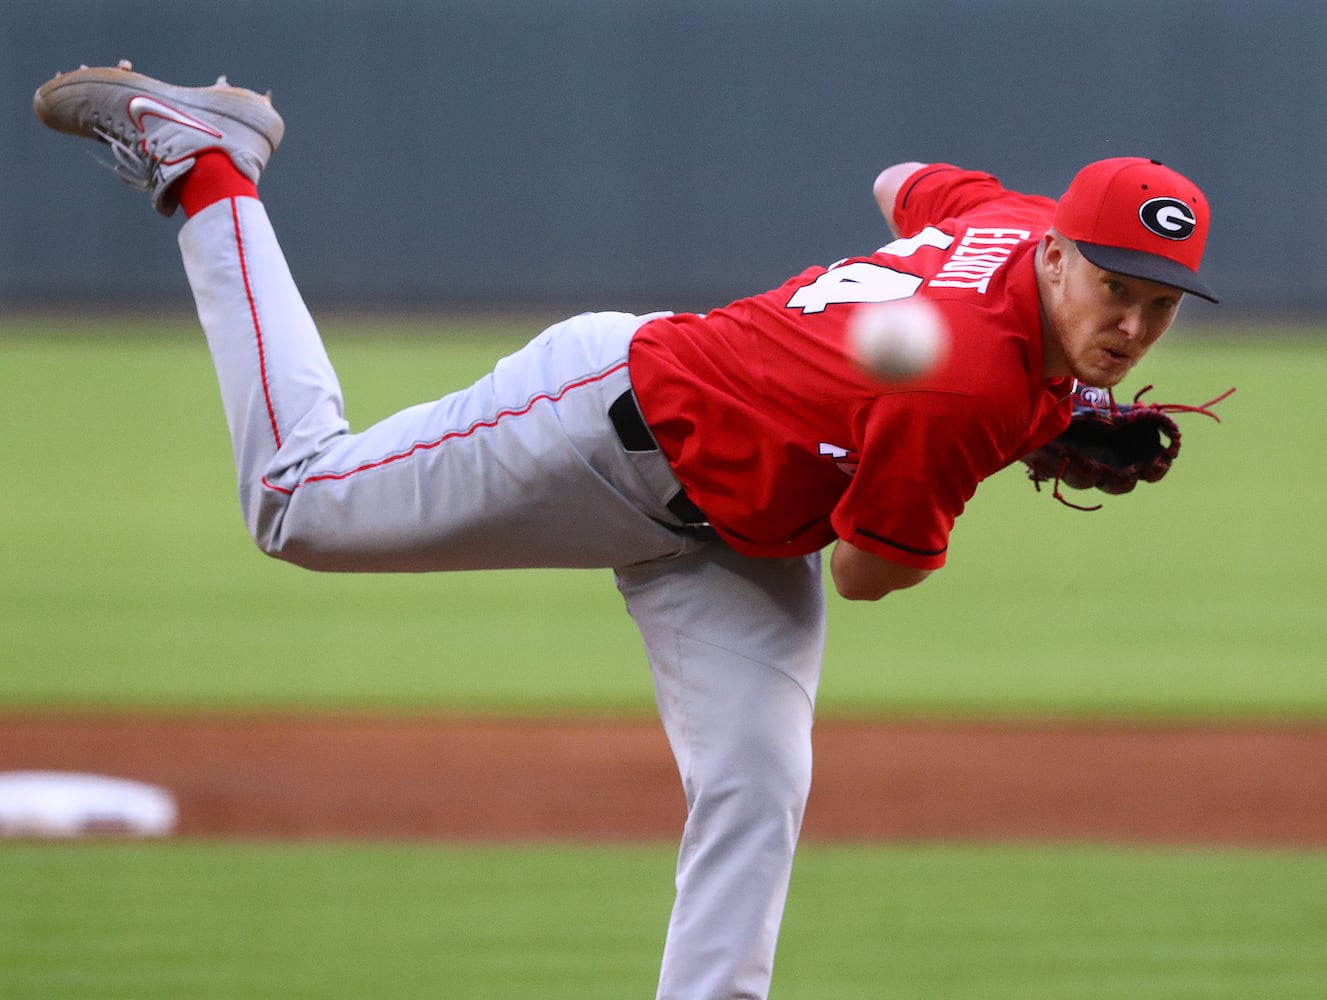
(1137, 264)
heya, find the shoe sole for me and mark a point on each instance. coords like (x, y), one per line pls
(63, 104)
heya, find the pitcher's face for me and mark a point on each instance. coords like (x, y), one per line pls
(1098, 324)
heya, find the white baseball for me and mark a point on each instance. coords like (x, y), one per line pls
(898, 341)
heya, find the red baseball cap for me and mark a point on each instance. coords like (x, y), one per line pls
(1138, 217)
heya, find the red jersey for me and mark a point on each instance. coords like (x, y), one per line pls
(786, 444)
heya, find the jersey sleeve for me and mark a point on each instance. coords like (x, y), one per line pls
(923, 456)
(940, 191)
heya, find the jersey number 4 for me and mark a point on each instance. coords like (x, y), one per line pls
(862, 281)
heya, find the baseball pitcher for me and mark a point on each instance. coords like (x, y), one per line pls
(707, 460)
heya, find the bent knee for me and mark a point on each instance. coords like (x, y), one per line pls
(758, 779)
(277, 535)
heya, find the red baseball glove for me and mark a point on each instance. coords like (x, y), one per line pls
(1111, 446)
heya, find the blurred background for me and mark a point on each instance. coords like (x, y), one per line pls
(461, 170)
(643, 154)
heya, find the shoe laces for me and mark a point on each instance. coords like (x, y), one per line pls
(132, 163)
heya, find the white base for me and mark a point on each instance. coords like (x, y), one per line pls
(59, 804)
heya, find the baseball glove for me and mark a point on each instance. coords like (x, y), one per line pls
(1111, 446)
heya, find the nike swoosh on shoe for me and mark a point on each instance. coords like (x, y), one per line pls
(142, 106)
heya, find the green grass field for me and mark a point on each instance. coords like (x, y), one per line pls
(128, 583)
(129, 580)
(272, 922)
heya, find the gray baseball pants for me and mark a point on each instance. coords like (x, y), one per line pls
(525, 468)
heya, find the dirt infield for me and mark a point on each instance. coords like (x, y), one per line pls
(456, 778)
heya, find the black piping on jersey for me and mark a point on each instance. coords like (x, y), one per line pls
(920, 176)
(899, 545)
(792, 535)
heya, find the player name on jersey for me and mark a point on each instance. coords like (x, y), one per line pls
(979, 254)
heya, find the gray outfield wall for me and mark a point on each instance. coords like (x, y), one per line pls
(636, 154)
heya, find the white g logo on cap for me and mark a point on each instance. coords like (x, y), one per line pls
(1169, 218)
